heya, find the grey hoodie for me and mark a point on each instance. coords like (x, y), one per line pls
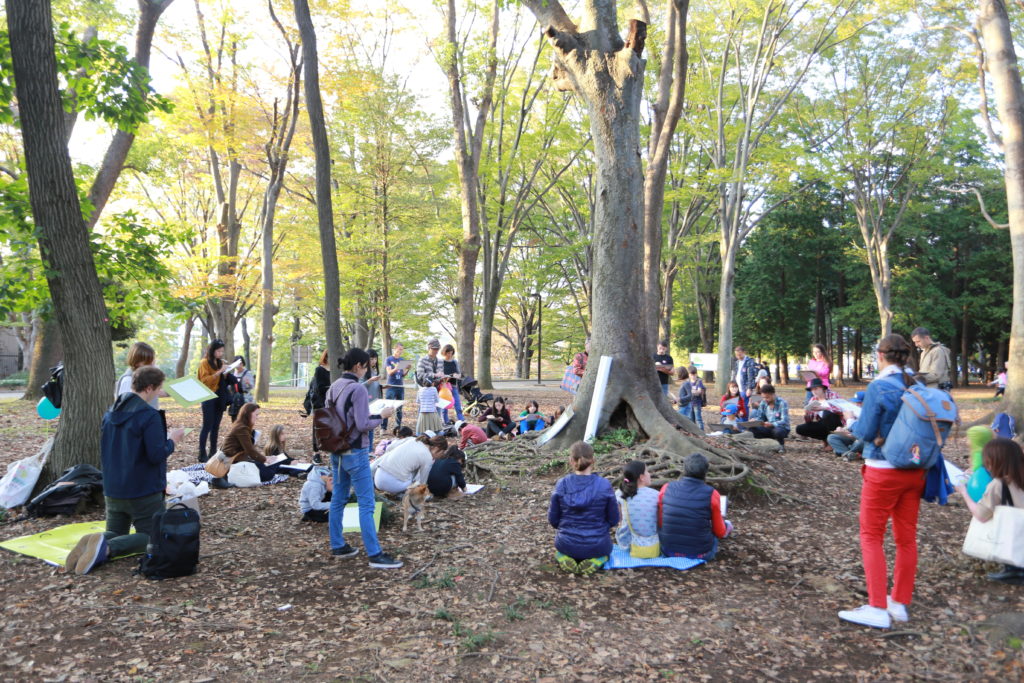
(313, 491)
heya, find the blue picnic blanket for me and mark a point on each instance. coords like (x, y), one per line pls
(621, 559)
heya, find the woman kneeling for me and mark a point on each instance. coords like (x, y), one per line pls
(584, 510)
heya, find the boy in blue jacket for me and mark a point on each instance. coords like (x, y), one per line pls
(134, 447)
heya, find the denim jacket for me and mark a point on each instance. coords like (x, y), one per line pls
(778, 414)
(687, 398)
(881, 405)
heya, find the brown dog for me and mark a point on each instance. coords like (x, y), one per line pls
(414, 505)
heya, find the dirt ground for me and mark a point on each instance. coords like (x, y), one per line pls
(479, 597)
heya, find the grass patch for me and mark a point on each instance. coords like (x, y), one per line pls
(514, 612)
(613, 440)
(444, 615)
(472, 640)
(445, 580)
(568, 612)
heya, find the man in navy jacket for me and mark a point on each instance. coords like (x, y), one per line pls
(134, 447)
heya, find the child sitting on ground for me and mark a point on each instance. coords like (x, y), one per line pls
(276, 445)
(638, 503)
(557, 414)
(315, 498)
(469, 434)
(583, 509)
(730, 419)
(690, 520)
(531, 419)
(445, 479)
(397, 433)
(733, 396)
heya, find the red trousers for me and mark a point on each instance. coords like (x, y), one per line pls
(885, 494)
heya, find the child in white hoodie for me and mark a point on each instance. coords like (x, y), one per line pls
(319, 483)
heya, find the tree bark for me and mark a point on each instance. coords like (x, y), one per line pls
(324, 205)
(117, 152)
(1001, 59)
(726, 305)
(63, 240)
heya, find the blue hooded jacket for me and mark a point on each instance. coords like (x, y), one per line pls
(134, 449)
(584, 510)
(882, 403)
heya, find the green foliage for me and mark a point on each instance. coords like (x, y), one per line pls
(613, 440)
(443, 615)
(445, 580)
(98, 77)
(472, 640)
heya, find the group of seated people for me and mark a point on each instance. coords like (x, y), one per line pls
(400, 462)
(684, 520)
(497, 423)
(767, 417)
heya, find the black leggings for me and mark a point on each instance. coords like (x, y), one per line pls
(213, 411)
(494, 429)
(822, 428)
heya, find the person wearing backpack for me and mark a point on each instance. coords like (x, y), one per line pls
(133, 449)
(315, 396)
(886, 493)
(350, 466)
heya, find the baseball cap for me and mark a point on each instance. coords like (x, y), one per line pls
(858, 397)
(730, 409)
(433, 344)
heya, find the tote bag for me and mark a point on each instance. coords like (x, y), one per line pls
(1001, 539)
(642, 547)
(570, 381)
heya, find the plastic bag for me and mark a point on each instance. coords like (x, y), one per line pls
(244, 475)
(16, 486)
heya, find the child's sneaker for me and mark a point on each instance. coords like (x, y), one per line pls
(567, 563)
(896, 610)
(590, 565)
(866, 615)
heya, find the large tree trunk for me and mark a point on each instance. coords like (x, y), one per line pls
(726, 303)
(63, 240)
(486, 340)
(46, 353)
(117, 152)
(607, 73)
(1001, 59)
(324, 205)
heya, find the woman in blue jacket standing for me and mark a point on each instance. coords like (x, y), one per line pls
(886, 493)
(584, 510)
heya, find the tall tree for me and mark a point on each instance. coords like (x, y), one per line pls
(606, 72)
(468, 141)
(63, 237)
(324, 205)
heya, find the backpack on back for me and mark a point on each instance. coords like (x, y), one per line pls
(173, 548)
(1004, 426)
(69, 494)
(53, 389)
(330, 429)
(922, 425)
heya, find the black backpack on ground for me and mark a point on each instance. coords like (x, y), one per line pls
(173, 548)
(69, 494)
(53, 389)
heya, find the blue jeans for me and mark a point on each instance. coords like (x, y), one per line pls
(352, 470)
(392, 394)
(694, 413)
(532, 425)
(664, 388)
(457, 400)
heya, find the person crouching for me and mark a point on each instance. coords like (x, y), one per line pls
(314, 501)
(690, 518)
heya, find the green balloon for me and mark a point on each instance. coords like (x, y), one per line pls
(977, 437)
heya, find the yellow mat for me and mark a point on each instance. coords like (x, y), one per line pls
(54, 545)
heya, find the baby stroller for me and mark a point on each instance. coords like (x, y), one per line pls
(474, 403)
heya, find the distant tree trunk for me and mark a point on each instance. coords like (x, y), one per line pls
(324, 205)
(117, 152)
(858, 351)
(246, 340)
(726, 304)
(64, 244)
(468, 144)
(47, 351)
(186, 345)
(965, 349)
(1003, 69)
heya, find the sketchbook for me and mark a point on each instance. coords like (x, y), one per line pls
(382, 403)
(188, 391)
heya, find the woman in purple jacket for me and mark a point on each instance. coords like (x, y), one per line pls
(584, 510)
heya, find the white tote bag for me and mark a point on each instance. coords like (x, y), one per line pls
(1001, 539)
(244, 475)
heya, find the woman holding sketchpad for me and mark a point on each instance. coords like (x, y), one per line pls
(211, 373)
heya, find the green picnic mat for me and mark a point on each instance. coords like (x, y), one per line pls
(54, 545)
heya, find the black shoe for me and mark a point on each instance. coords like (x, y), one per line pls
(202, 458)
(344, 551)
(318, 459)
(385, 561)
(221, 483)
(1009, 574)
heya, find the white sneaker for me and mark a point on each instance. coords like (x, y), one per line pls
(866, 615)
(896, 610)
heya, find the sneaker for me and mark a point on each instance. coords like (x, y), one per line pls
(896, 610)
(385, 561)
(567, 563)
(344, 551)
(94, 554)
(591, 565)
(71, 561)
(866, 615)
(1009, 574)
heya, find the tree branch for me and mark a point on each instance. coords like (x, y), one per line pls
(981, 203)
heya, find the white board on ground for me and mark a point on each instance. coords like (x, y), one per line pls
(553, 430)
(597, 398)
